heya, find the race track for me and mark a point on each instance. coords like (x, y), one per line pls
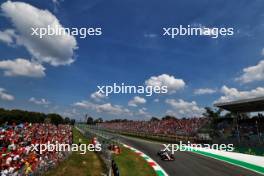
(187, 163)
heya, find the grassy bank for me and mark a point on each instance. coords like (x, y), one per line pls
(88, 164)
(131, 164)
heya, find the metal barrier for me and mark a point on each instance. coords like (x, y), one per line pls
(105, 140)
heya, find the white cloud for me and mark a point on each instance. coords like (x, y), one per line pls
(7, 36)
(143, 112)
(56, 3)
(232, 94)
(136, 101)
(262, 52)
(85, 105)
(71, 113)
(5, 96)
(22, 67)
(41, 101)
(203, 91)
(55, 50)
(112, 109)
(103, 108)
(252, 73)
(156, 100)
(183, 108)
(97, 96)
(171, 82)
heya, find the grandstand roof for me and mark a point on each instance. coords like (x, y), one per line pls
(245, 105)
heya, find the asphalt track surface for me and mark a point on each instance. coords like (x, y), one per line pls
(187, 163)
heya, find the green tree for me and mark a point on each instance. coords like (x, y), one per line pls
(55, 119)
(214, 115)
(154, 119)
(90, 121)
(99, 120)
(67, 120)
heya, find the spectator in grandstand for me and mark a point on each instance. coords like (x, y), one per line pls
(170, 126)
(16, 156)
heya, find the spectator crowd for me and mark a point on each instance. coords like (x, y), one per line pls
(159, 127)
(16, 155)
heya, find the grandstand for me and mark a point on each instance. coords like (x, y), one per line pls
(165, 127)
(16, 154)
(244, 105)
(247, 131)
(236, 127)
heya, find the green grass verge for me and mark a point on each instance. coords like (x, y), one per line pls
(88, 164)
(259, 151)
(131, 164)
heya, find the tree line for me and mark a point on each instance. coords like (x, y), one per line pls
(21, 116)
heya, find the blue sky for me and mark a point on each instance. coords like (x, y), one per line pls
(131, 50)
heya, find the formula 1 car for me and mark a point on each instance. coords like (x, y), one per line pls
(165, 155)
